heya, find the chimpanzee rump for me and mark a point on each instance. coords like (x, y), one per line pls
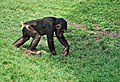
(45, 26)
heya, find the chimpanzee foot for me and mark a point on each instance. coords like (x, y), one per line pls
(39, 52)
(29, 52)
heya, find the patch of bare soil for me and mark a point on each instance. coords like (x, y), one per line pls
(99, 34)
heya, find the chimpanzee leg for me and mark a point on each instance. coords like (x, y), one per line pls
(21, 41)
(34, 42)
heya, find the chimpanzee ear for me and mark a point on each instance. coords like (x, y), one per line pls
(58, 26)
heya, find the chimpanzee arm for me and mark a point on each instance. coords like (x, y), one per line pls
(64, 42)
(51, 43)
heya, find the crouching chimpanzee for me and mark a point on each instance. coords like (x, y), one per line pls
(46, 26)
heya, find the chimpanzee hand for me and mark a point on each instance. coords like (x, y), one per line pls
(66, 51)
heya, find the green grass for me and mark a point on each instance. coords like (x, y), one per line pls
(90, 60)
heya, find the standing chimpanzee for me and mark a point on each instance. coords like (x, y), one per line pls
(46, 26)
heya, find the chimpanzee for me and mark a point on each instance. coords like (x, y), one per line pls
(45, 26)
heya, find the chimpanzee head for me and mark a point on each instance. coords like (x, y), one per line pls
(60, 26)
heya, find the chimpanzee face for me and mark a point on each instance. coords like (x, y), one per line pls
(60, 30)
(61, 26)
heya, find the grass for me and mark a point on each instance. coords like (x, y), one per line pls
(90, 59)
